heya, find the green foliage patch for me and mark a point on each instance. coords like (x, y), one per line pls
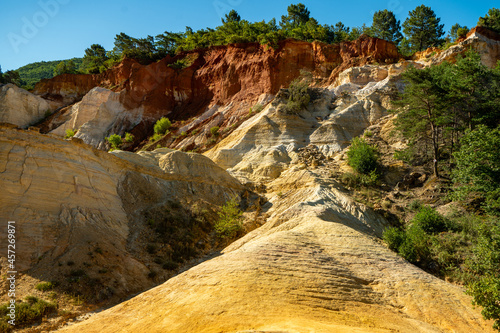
(362, 157)
(229, 223)
(162, 125)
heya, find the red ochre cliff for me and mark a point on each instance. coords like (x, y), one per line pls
(218, 75)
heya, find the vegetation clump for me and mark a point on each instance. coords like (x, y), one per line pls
(115, 141)
(214, 131)
(27, 313)
(362, 157)
(162, 126)
(70, 133)
(229, 223)
(45, 286)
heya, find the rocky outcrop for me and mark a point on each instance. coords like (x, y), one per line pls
(79, 209)
(98, 115)
(20, 107)
(316, 265)
(266, 144)
(219, 83)
(483, 41)
(362, 75)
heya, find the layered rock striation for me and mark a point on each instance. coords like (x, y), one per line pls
(316, 265)
(69, 199)
(219, 83)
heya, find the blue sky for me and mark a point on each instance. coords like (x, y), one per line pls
(44, 30)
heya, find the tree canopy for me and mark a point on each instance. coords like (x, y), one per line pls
(386, 26)
(422, 28)
(457, 31)
(440, 102)
(94, 59)
(491, 20)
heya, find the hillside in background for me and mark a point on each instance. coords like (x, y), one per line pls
(32, 73)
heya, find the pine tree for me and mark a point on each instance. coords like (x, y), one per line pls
(422, 28)
(233, 16)
(457, 31)
(297, 15)
(491, 20)
(94, 59)
(423, 109)
(386, 26)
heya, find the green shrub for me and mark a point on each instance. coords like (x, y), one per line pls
(70, 133)
(45, 286)
(484, 266)
(362, 157)
(129, 137)
(394, 237)
(406, 155)
(162, 126)
(115, 140)
(477, 172)
(170, 265)
(5, 327)
(356, 180)
(416, 245)
(368, 133)
(298, 95)
(415, 205)
(28, 312)
(429, 220)
(215, 131)
(229, 222)
(257, 108)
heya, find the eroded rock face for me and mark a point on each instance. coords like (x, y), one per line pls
(316, 265)
(20, 107)
(231, 77)
(266, 144)
(483, 41)
(98, 115)
(362, 75)
(68, 200)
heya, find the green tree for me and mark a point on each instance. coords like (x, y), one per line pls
(491, 20)
(115, 140)
(474, 92)
(297, 15)
(457, 31)
(385, 26)
(168, 42)
(229, 222)
(1, 75)
(484, 268)
(362, 157)
(162, 125)
(422, 28)
(94, 59)
(477, 171)
(422, 108)
(232, 16)
(65, 67)
(12, 77)
(341, 32)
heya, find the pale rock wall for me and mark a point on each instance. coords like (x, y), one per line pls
(20, 107)
(265, 145)
(483, 41)
(315, 266)
(68, 198)
(99, 114)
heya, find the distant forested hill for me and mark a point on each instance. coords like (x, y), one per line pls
(32, 73)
